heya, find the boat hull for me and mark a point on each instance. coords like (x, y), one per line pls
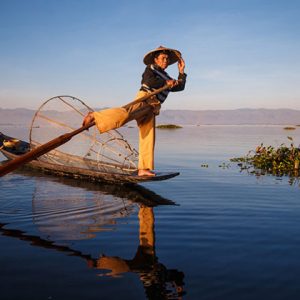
(79, 173)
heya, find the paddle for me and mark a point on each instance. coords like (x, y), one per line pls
(38, 151)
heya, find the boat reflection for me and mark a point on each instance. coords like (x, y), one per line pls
(59, 219)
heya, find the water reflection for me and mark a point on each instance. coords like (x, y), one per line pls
(159, 282)
(65, 210)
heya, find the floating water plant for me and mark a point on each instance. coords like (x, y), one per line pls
(266, 159)
(224, 165)
(168, 126)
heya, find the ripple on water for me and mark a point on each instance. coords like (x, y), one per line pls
(59, 211)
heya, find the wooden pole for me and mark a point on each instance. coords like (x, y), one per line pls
(149, 95)
(39, 151)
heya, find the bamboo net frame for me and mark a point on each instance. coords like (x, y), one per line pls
(111, 152)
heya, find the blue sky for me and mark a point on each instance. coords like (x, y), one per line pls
(239, 53)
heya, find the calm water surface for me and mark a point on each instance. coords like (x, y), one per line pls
(211, 233)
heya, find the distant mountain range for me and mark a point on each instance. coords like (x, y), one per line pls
(232, 117)
(22, 116)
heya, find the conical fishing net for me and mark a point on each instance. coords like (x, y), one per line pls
(106, 152)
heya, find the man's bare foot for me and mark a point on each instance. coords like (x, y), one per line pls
(145, 173)
(89, 118)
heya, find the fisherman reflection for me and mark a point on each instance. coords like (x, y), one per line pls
(159, 282)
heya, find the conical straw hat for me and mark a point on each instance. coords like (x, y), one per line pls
(174, 55)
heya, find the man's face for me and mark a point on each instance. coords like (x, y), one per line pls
(162, 60)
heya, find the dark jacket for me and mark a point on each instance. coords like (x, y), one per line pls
(154, 78)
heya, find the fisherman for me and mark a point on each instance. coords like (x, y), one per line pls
(154, 77)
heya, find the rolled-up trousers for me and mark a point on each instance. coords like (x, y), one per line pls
(144, 113)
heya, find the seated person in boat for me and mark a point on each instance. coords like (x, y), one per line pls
(154, 77)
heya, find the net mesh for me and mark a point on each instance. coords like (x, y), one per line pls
(106, 152)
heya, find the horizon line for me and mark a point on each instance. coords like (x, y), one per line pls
(168, 109)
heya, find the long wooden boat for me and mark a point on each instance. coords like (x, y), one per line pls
(12, 148)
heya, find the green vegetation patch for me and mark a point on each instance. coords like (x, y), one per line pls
(168, 126)
(268, 160)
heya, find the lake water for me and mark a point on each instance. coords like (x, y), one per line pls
(211, 233)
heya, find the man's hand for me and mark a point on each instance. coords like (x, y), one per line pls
(181, 65)
(172, 82)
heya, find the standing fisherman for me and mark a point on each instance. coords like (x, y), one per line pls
(154, 77)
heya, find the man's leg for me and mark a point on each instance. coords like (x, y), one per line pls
(113, 118)
(146, 144)
(107, 119)
(143, 113)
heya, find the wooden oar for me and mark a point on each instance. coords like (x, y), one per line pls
(149, 95)
(38, 151)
